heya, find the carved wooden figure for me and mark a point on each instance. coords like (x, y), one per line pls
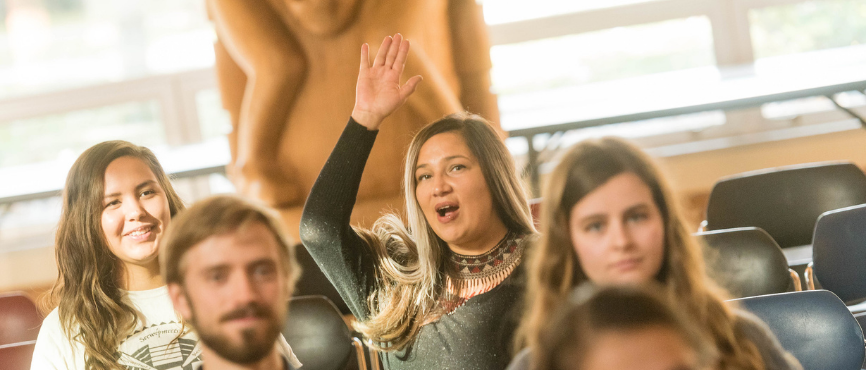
(287, 71)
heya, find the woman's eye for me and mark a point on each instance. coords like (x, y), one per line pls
(637, 217)
(593, 227)
(458, 167)
(422, 177)
(112, 203)
(148, 192)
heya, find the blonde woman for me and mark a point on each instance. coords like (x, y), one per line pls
(441, 291)
(608, 217)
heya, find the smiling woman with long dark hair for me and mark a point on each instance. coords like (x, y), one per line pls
(117, 204)
(443, 287)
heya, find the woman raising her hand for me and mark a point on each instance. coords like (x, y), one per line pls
(441, 289)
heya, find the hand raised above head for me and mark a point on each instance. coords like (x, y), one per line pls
(378, 92)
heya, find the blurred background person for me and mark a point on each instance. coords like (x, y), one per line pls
(230, 273)
(608, 217)
(622, 328)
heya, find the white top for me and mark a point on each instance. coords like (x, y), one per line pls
(150, 346)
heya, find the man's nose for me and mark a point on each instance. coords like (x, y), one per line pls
(244, 289)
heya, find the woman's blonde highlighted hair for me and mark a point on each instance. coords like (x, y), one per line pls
(411, 258)
(87, 291)
(554, 268)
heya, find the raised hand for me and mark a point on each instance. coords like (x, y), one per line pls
(378, 92)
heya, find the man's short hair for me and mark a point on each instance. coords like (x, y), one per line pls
(214, 216)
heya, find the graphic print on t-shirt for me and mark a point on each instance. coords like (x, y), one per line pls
(155, 348)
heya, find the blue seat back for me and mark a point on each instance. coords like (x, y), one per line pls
(785, 202)
(839, 252)
(746, 261)
(815, 326)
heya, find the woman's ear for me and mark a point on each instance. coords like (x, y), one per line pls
(180, 300)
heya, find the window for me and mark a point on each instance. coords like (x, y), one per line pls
(66, 135)
(807, 26)
(504, 11)
(59, 44)
(609, 54)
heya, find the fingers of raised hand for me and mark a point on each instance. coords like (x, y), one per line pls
(383, 51)
(393, 49)
(365, 56)
(400, 59)
(409, 87)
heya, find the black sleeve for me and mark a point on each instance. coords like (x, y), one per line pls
(325, 230)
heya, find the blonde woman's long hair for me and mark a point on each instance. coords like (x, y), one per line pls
(411, 258)
(87, 291)
(554, 268)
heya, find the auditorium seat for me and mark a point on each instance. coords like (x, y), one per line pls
(19, 319)
(814, 325)
(785, 201)
(839, 254)
(17, 356)
(747, 262)
(319, 336)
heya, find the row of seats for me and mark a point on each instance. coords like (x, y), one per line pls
(748, 262)
(754, 217)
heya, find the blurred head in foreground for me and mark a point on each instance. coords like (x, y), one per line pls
(622, 328)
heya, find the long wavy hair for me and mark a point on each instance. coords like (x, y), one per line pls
(554, 268)
(87, 291)
(411, 258)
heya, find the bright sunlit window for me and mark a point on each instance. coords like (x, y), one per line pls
(58, 44)
(808, 26)
(602, 55)
(66, 135)
(504, 11)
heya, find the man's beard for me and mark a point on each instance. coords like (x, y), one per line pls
(252, 348)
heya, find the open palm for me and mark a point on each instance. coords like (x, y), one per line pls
(378, 92)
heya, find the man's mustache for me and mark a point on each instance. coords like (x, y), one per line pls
(251, 310)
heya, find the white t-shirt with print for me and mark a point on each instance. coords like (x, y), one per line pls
(151, 346)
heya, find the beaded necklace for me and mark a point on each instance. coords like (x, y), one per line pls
(480, 274)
